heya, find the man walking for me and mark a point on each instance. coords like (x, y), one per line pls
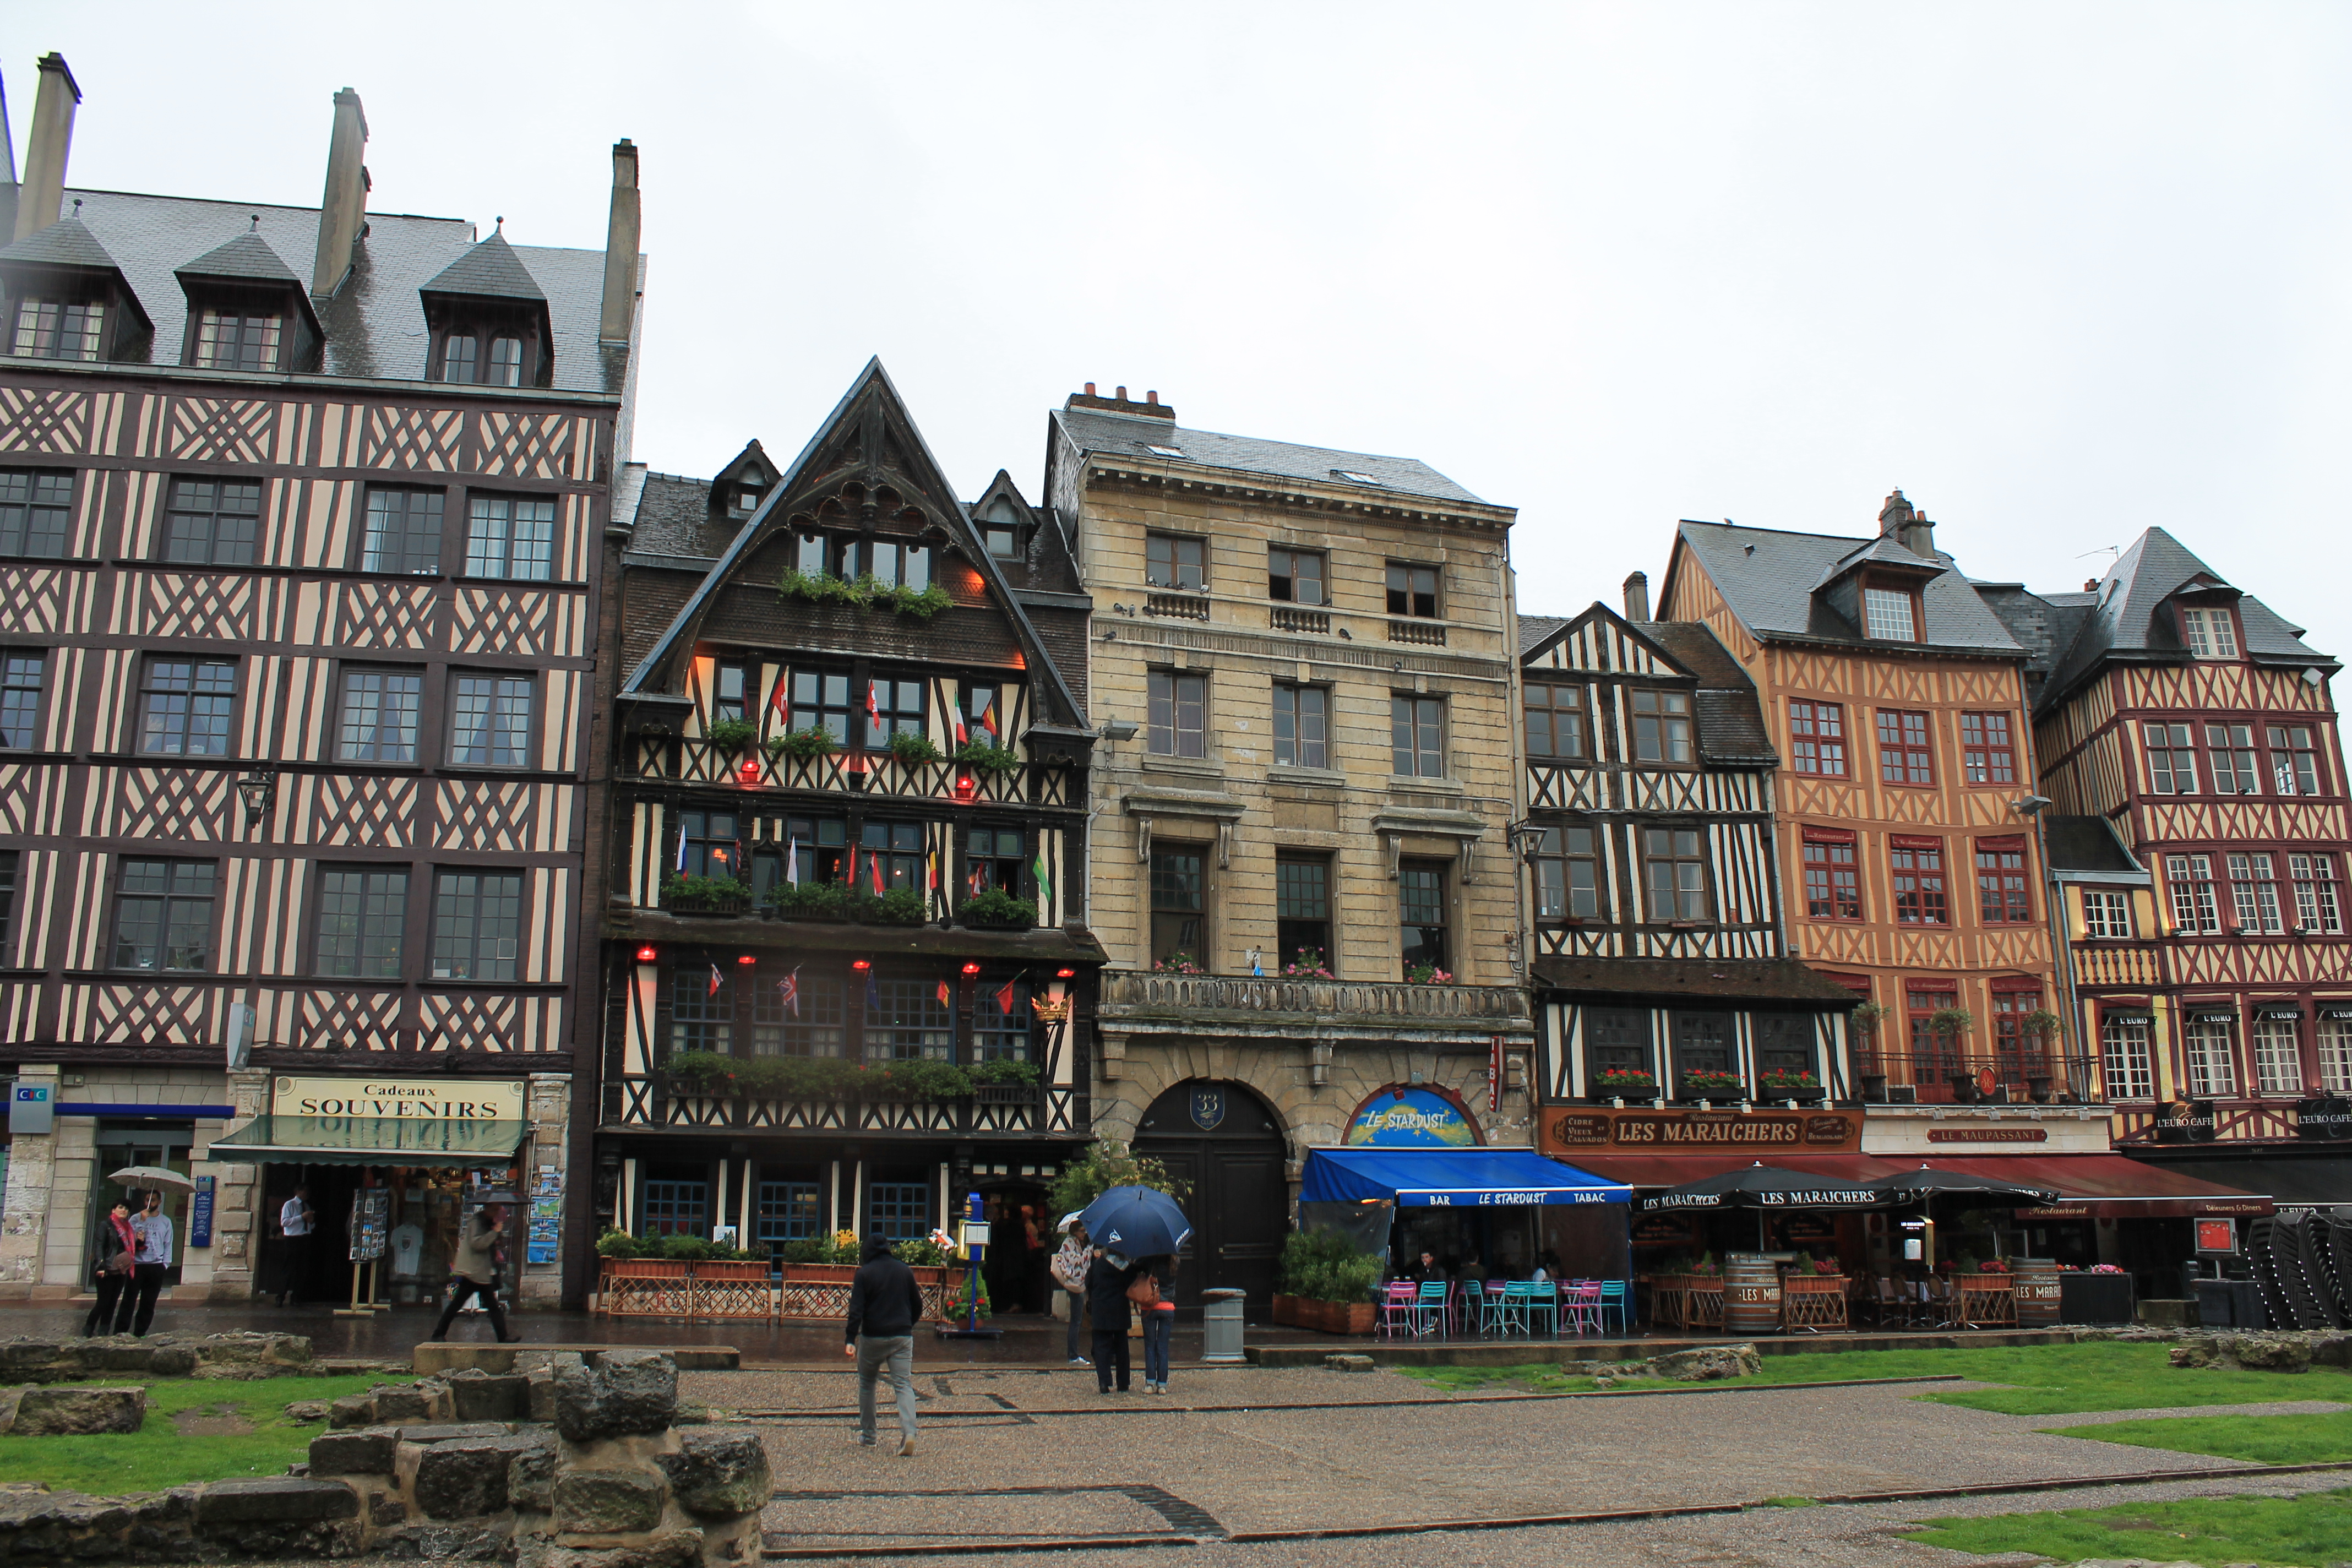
(885, 1305)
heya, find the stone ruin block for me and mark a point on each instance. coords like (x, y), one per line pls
(35, 1411)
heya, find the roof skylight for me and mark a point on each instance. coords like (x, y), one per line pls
(1353, 477)
(1164, 451)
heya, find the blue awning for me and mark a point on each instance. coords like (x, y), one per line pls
(1450, 1178)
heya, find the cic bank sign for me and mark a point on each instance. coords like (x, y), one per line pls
(399, 1099)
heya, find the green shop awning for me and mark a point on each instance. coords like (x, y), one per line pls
(372, 1141)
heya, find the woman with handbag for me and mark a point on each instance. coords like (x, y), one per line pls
(1154, 1280)
(116, 1250)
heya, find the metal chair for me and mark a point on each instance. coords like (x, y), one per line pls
(1616, 1296)
(1543, 1303)
(1470, 1307)
(1396, 1308)
(1429, 1309)
(1581, 1306)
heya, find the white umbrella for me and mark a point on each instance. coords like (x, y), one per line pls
(152, 1176)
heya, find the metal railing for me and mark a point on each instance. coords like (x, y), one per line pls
(694, 759)
(649, 1100)
(1954, 1077)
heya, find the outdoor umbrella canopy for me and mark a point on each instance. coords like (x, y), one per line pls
(152, 1176)
(1136, 1222)
(1766, 1187)
(1962, 1189)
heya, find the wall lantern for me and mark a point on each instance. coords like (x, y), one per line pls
(647, 956)
(749, 773)
(258, 789)
(861, 964)
(969, 970)
(965, 786)
(1065, 973)
(747, 958)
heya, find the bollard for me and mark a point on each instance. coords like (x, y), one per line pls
(1220, 1326)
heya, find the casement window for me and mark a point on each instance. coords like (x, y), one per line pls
(186, 706)
(1675, 862)
(1420, 915)
(1784, 1044)
(2107, 916)
(2016, 1051)
(1661, 726)
(1301, 725)
(1004, 540)
(1919, 875)
(999, 1034)
(906, 1021)
(511, 536)
(709, 844)
(403, 531)
(2171, 765)
(164, 914)
(2335, 1053)
(483, 357)
(743, 497)
(677, 1208)
(59, 329)
(2278, 1053)
(228, 340)
(1568, 875)
(811, 555)
(1890, 615)
(894, 708)
(2209, 1046)
(993, 857)
(2231, 751)
(489, 721)
(890, 853)
(1295, 576)
(1817, 739)
(477, 925)
(1178, 909)
(820, 845)
(1178, 560)
(1619, 1038)
(1555, 715)
(898, 1211)
(2210, 632)
(821, 701)
(1302, 911)
(1832, 879)
(1417, 736)
(1920, 1004)
(211, 523)
(22, 672)
(362, 915)
(2317, 908)
(2195, 909)
(730, 692)
(891, 562)
(797, 1012)
(35, 506)
(1987, 755)
(2129, 1059)
(702, 1008)
(2294, 760)
(1179, 714)
(1412, 590)
(982, 712)
(2003, 895)
(379, 715)
(2253, 894)
(1905, 756)
(1703, 1043)
(784, 1211)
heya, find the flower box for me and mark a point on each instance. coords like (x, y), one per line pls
(689, 904)
(1284, 1310)
(820, 1273)
(1338, 1317)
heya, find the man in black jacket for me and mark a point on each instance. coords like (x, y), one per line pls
(885, 1305)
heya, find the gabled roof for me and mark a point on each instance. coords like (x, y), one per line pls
(1536, 631)
(69, 242)
(1130, 437)
(1769, 579)
(246, 257)
(491, 270)
(754, 458)
(1883, 549)
(1730, 718)
(2088, 848)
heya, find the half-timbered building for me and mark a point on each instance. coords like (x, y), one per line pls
(300, 516)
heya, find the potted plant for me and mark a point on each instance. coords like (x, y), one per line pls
(898, 906)
(705, 895)
(1002, 1082)
(809, 901)
(1951, 1025)
(986, 756)
(729, 735)
(1426, 975)
(804, 745)
(913, 750)
(2044, 1027)
(1307, 964)
(1708, 1084)
(1639, 1082)
(1176, 963)
(998, 909)
(919, 1079)
(1328, 1283)
(1801, 1087)
(1866, 1018)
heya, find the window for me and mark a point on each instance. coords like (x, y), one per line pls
(477, 925)
(2020, 1056)
(1302, 911)
(511, 536)
(677, 1208)
(889, 561)
(2001, 892)
(729, 687)
(893, 857)
(1986, 755)
(2294, 763)
(2195, 910)
(184, 707)
(1817, 739)
(2278, 1054)
(20, 698)
(1554, 719)
(463, 360)
(1661, 726)
(2231, 750)
(1004, 540)
(993, 857)
(1568, 884)
(701, 1009)
(2253, 894)
(380, 715)
(1903, 757)
(1174, 560)
(1677, 872)
(809, 554)
(2212, 1061)
(2107, 916)
(797, 1014)
(893, 707)
(1179, 932)
(362, 915)
(744, 501)
(906, 1021)
(1301, 722)
(1832, 879)
(1890, 615)
(709, 844)
(2335, 1054)
(228, 341)
(1784, 1042)
(491, 721)
(33, 506)
(1616, 1037)
(1920, 893)
(2210, 633)
(820, 845)
(2130, 1064)
(211, 523)
(506, 363)
(164, 914)
(1703, 1043)
(978, 715)
(1932, 1054)
(1412, 590)
(999, 1035)
(1295, 576)
(898, 1211)
(53, 329)
(787, 1212)
(404, 532)
(2171, 765)
(821, 701)
(1179, 706)
(1417, 736)
(2316, 905)
(1421, 908)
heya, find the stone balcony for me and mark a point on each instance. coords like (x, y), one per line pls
(1137, 1004)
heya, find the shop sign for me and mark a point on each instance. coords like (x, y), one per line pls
(32, 1108)
(1412, 1119)
(1661, 1132)
(200, 1214)
(2217, 1235)
(1987, 1135)
(385, 1099)
(1664, 1231)
(1798, 1227)
(2186, 1121)
(2329, 1116)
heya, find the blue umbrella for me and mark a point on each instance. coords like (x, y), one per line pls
(1136, 1222)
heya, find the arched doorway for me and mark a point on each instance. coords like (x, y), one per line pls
(1226, 1145)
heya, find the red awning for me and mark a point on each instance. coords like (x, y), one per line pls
(2108, 1186)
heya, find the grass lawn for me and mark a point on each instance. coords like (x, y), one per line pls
(2302, 1440)
(159, 1454)
(2310, 1529)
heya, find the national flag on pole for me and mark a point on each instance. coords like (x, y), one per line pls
(788, 992)
(873, 993)
(1004, 997)
(979, 881)
(793, 861)
(717, 980)
(1045, 887)
(779, 699)
(947, 998)
(984, 717)
(681, 850)
(872, 712)
(935, 871)
(874, 865)
(961, 736)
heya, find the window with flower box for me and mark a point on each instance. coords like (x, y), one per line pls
(1617, 1058)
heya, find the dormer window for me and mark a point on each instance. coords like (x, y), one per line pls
(66, 299)
(228, 341)
(488, 319)
(247, 309)
(55, 329)
(1890, 615)
(746, 502)
(2208, 631)
(486, 356)
(1004, 540)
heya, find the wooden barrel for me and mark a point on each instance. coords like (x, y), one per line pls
(1751, 1294)
(2037, 1291)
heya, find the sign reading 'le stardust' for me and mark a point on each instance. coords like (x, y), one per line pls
(404, 1098)
(1413, 1118)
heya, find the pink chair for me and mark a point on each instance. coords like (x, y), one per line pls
(1396, 1308)
(1580, 1307)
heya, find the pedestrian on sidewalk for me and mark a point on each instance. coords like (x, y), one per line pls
(153, 1226)
(1070, 1273)
(474, 1271)
(295, 1220)
(885, 1305)
(1152, 1294)
(117, 1249)
(1106, 1282)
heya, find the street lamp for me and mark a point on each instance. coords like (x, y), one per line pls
(1525, 837)
(2032, 805)
(258, 789)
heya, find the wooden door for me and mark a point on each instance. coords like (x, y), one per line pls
(1226, 1144)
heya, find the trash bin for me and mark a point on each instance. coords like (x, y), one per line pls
(1220, 1326)
(2216, 1304)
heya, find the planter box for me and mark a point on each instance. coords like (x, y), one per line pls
(734, 1268)
(705, 906)
(1285, 1311)
(1805, 1096)
(1338, 1317)
(820, 1273)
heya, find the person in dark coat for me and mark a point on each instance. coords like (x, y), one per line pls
(885, 1305)
(116, 1248)
(1106, 1284)
(474, 1271)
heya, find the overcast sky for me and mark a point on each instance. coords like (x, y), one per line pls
(2060, 272)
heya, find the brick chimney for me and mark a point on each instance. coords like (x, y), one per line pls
(342, 210)
(1149, 408)
(1910, 525)
(622, 232)
(42, 196)
(1637, 596)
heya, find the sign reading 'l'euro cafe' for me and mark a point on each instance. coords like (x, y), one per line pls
(1652, 1132)
(389, 1099)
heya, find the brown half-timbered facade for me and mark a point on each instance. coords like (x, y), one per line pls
(296, 623)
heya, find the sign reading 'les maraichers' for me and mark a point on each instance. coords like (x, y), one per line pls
(402, 1099)
(1666, 1131)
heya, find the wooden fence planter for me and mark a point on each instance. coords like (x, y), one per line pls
(644, 1287)
(735, 1289)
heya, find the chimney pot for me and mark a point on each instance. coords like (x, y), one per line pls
(1090, 389)
(2090, 585)
(1122, 394)
(1637, 596)
(1151, 398)
(343, 208)
(42, 196)
(623, 227)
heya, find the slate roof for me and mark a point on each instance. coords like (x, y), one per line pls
(247, 255)
(673, 518)
(1767, 577)
(1727, 979)
(490, 270)
(2089, 845)
(64, 243)
(1536, 630)
(1130, 437)
(1731, 726)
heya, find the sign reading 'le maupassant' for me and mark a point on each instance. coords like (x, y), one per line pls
(401, 1099)
(1666, 1131)
(1987, 1135)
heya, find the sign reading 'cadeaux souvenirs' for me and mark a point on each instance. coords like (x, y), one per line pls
(1412, 1119)
(403, 1099)
(1667, 1131)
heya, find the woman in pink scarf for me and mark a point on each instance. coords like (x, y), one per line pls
(115, 1246)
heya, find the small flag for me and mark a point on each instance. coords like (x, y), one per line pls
(681, 849)
(874, 715)
(935, 871)
(788, 992)
(793, 861)
(979, 881)
(874, 865)
(873, 995)
(983, 716)
(717, 980)
(947, 998)
(1004, 998)
(1044, 886)
(778, 700)
(960, 737)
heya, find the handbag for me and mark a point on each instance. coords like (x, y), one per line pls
(1144, 1292)
(124, 1263)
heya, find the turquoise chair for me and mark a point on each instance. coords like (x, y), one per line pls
(1543, 1305)
(1474, 1307)
(1517, 1306)
(1429, 1309)
(1617, 1297)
